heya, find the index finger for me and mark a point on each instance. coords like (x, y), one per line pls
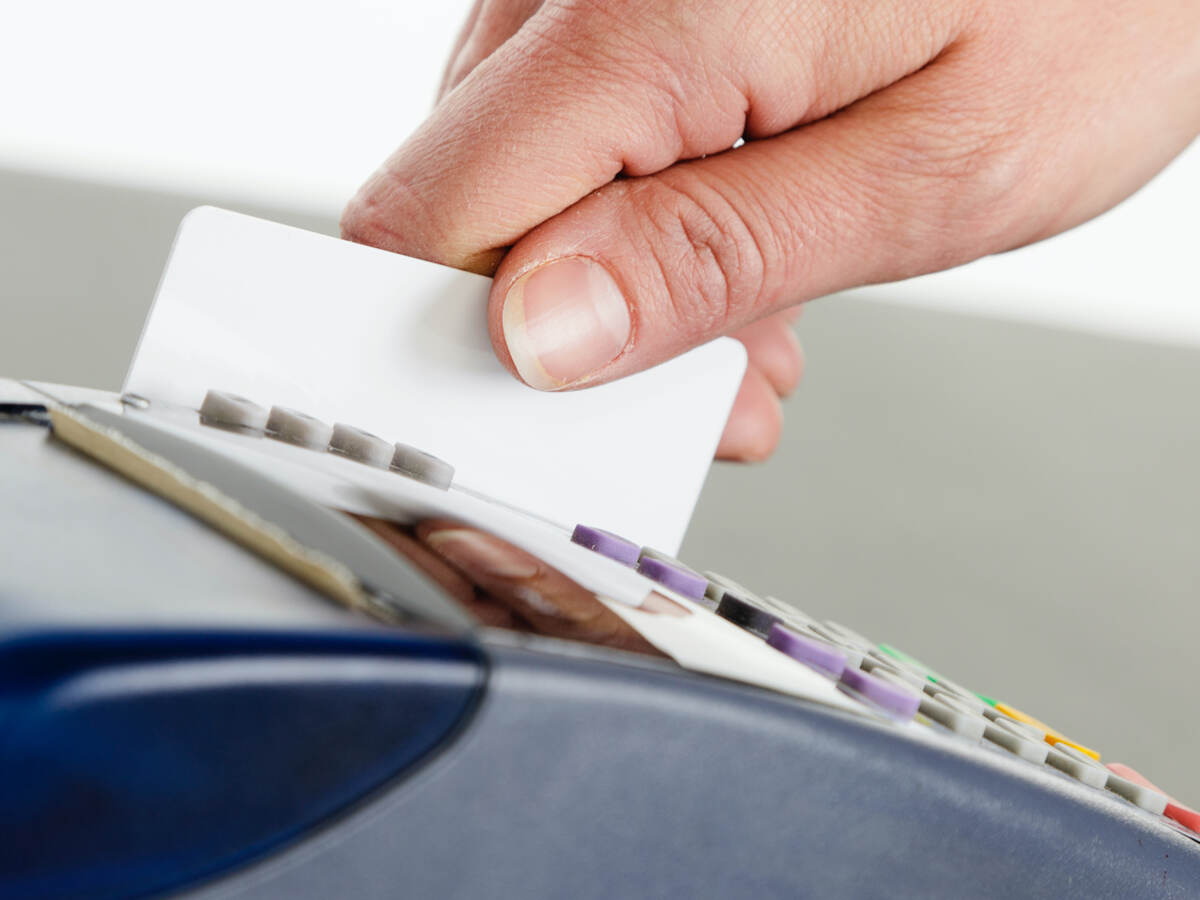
(555, 113)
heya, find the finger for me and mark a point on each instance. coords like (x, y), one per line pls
(775, 364)
(464, 35)
(774, 349)
(486, 610)
(643, 269)
(755, 423)
(548, 600)
(583, 92)
(495, 21)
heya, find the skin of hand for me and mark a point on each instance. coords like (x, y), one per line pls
(503, 586)
(581, 154)
(530, 591)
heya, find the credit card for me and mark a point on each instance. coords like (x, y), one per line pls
(400, 347)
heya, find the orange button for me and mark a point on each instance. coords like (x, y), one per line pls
(1053, 736)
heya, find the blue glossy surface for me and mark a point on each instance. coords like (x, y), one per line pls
(138, 763)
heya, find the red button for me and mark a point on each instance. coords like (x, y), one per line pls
(1185, 816)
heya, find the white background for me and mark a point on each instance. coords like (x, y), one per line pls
(292, 104)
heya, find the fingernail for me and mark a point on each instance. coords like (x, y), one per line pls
(466, 547)
(663, 605)
(564, 321)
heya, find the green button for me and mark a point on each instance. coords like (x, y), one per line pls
(896, 653)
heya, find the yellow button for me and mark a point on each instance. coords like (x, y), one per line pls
(1013, 713)
(1059, 739)
(1053, 736)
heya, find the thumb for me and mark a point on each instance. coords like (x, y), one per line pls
(646, 268)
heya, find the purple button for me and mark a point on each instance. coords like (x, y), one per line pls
(684, 581)
(892, 698)
(823, 657)
(606, 544)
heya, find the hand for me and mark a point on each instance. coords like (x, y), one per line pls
(582, 154)
(503, 586)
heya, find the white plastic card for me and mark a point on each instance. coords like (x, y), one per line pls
(399, 347)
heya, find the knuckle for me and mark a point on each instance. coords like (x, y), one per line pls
(357, 224)
(961, 175)
(655, 71)
(710, 260)
(953, 148)
(388, 213)
(365, 218)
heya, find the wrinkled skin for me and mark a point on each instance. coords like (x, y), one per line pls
(884, 139)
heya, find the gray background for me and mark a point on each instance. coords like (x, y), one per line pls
(1015, 505)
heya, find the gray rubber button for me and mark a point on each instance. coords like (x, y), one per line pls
(718, 584)
(721, 581)
(876, 666)
(1082, 757)
(228, 410)
(1030, 731)
(294, 427)
(854, 656)
(713, 593)
(422, 466)
(935, 689)
(1147, 799)
(660, 556)
(846, 635)
(992, 713)
(958, 690)
(791, 615)
(1016, 742)
(1078, 765)
(360, 446)
(958, 718)
(920, 679)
